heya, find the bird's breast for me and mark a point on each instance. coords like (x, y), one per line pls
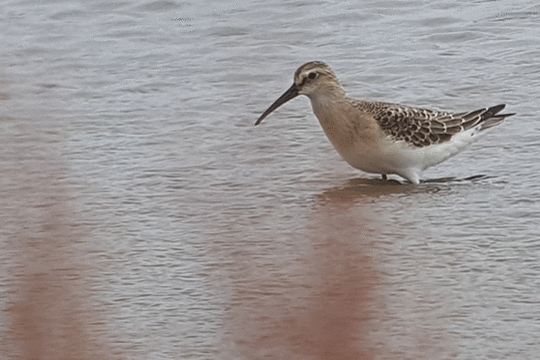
(347, 128)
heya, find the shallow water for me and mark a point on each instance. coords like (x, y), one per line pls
(145, 217)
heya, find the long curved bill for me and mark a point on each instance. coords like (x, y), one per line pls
(287, 95)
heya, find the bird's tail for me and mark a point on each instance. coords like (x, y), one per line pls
(491, 117)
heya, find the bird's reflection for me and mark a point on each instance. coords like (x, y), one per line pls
(376, 187)
(323, 292)
(329, 308)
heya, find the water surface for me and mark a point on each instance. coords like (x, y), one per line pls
(145, 217)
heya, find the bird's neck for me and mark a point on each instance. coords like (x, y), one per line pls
(328, 106)
(333, 109)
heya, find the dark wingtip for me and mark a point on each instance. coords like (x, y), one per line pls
(495, 110)
(491, 116)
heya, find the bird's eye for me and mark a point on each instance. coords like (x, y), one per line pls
(312, 75)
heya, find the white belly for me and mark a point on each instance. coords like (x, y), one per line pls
(390, 157)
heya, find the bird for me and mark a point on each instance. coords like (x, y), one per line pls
(384, 138)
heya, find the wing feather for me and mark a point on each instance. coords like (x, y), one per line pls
(423, 127)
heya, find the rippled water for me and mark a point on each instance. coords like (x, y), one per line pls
(144, 216)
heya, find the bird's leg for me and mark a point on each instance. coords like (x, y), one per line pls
(384, 177)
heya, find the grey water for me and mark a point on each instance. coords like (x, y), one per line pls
(143, 216)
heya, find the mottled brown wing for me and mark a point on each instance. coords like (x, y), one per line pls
(422, 127)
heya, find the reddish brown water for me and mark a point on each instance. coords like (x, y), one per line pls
(143, 216)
